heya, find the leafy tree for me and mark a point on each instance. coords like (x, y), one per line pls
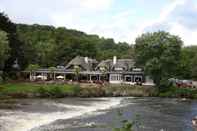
(194, 67)
(4, 49)
(50, 46)
(159, 53)
(77, 72)
(32, 68)
(52, 70)
(187, 62)
(16, 50)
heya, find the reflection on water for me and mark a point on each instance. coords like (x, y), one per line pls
(98, 114)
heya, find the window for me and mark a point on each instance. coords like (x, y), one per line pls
(115, 77)
(138, 78)
(128, 78)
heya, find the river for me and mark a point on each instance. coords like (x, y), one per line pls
(96, 114)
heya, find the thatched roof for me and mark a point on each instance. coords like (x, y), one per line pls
(126, 64)
(81, 62)
(105, 63)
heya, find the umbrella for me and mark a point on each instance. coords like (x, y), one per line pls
(60, 77)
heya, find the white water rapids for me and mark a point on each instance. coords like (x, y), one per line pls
(17, 120)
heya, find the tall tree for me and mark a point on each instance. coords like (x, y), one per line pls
(16, 50)
(4, 49)
(159, 53)
(194, 67)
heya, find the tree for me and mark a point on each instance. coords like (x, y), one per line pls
(52, 70)
(16, 50)
(187, 65)
(77, 72)
(4, 48)
(159, 53)
(194, 67)
(32, 68)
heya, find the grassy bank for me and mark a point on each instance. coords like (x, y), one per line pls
(31, 90)
(130, 90)
(176, 92)
(28, 90)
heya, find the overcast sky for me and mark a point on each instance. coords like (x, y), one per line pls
(122, 20)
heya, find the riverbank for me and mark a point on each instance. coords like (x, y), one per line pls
(35, 90)
(175, 92)
(41, 90)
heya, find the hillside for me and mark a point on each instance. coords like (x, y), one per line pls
(50, 46)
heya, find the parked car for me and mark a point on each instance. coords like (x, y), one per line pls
(181, 83)
(187, 83)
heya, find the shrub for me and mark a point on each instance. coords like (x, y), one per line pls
(43, 92)
(56, 92)
(76, 89)
(1, 80)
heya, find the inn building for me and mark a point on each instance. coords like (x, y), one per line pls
(114, 71)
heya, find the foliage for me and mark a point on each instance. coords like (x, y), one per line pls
(37, 90)
(194, 67)
(4, 48)
(32, 67)
(1, 79)
(188, 63)
(16, 46)
(179, 93)
(52, 75)
(159, 53)
(76, 89)
(77, 71)
(50, 46)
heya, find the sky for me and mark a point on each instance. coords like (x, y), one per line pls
(123, 20)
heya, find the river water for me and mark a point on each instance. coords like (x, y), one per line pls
(96, 114)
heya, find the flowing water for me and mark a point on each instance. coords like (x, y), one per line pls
(96, 114)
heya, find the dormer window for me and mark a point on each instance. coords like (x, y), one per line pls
(137, 69)
(102, 68)
(118, 69)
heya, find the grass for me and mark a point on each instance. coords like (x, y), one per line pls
(32, 90)
(42, 90)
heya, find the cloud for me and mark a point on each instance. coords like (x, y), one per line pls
(96, 4)
(180, 19)
(107, 18)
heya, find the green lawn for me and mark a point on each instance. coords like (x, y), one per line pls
(42, 89)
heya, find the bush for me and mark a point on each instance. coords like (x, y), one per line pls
(56, 92)
(43, 92)
(179, 92)
(76, 89)
(1, 80)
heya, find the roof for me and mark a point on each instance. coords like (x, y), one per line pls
(81, 62)
(105, 63)
(126, 64)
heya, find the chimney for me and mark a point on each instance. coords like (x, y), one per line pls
(114, 60)
(86, 59)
